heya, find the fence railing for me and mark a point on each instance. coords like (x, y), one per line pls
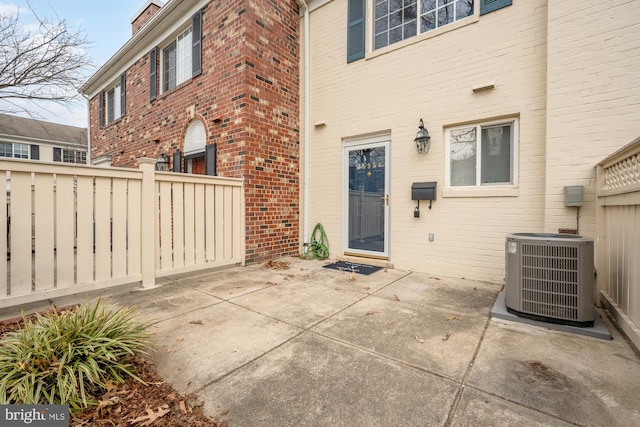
(78, 228)
(618, 230)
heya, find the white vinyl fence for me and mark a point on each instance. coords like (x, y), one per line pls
(618, 244)
(77, 228)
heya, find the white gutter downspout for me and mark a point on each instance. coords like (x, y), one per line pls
(305, 208)
(88, 128)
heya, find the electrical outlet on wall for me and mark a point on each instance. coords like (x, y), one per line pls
(432, 237)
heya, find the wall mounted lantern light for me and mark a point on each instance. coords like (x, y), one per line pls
(162, 164)
(423, 140)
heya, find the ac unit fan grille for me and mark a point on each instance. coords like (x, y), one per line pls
(550, 280)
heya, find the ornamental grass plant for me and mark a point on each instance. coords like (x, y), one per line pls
(71, 357)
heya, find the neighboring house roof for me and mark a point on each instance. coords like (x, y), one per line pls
(20, 129)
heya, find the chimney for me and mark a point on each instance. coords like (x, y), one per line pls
(145, 14)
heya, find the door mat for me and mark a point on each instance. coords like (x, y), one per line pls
(353, 267)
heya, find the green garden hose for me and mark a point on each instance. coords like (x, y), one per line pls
(317, 249)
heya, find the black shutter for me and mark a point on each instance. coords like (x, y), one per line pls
(355, 29)
(487, 6)
(101, 109)
(196, 44)
(57, 154)
(153, 74)
(123, 95)
(177, 161)
(35, 152)
(210, 159)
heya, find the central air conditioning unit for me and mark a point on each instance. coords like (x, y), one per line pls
(549, 277)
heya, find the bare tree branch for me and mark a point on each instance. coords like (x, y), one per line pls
(49, 64)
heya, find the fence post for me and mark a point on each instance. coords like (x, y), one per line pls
(148, 207)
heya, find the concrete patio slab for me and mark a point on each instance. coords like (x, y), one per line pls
(199, 347)
(297, 302)
(579, 379)
(314, 381)
(162, 302)
(229, 284)
(438, 341)
(465, 296)
(366, 284)
(394, 348)
(482, 409)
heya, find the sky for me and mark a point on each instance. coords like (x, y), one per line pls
(106, 25)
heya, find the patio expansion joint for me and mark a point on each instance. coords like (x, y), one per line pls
(250, 362)
(465, 378)
(531, 408)
(302, 331)
(384, 356)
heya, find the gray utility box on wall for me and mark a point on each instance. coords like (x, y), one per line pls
(573, 195)
(549, 277)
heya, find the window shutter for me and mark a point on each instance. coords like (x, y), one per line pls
(487, 6)
(355, 30)
(196, 44)
(177, 161)
(123, 95)
(57, 154)
(35, 152)
(153, 74)
(101, 109)
(210, 159)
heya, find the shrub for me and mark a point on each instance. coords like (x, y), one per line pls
(69, 357)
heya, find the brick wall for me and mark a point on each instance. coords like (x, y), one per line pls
(248, 100)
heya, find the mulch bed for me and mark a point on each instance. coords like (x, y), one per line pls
(132, 403)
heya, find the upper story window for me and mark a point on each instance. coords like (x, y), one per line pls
(15, 150)
(112, 102)
(67, 155)
(181, 59)
(176, 61)
(482, 155)
(74, 156)
(396, 20)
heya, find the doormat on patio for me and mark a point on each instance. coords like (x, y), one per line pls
(353, 267)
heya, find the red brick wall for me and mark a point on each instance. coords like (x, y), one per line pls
(248, 98)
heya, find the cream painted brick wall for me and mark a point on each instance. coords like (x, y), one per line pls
(431, 78)
(593, 97)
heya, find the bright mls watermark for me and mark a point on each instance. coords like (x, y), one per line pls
(34, 415)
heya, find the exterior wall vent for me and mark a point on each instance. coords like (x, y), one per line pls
(549, 277)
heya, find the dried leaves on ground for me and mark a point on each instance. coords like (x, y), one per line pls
(136, 404)
(276, 265)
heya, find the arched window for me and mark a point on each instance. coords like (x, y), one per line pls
(195, 139)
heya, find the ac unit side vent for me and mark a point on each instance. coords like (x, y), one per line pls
(549, 278)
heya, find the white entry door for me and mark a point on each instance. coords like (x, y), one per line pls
(366, 198)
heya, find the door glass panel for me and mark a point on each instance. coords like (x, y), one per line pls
(367, 198)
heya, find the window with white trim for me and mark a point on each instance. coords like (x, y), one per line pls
(15, 150)
(397, 20)
(176, 61)
(114, 111)
(74, 156)
(482, 154)
(112, 102)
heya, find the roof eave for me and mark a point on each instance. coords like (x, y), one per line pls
(132, 49)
